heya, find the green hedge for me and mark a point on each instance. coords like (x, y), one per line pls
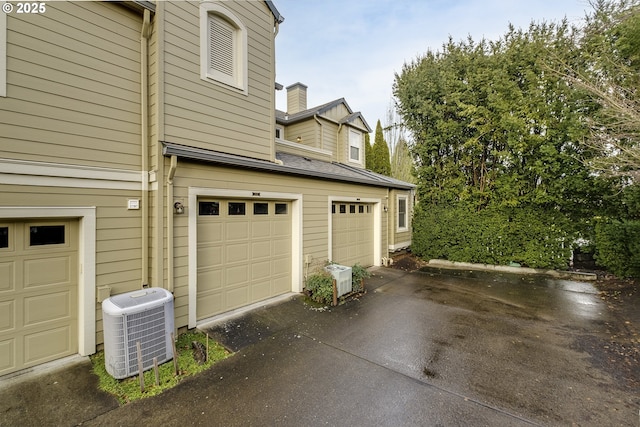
(497, 236)
(617, 246)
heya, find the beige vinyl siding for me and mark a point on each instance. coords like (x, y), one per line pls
(337, 113)
(118, 252)
(399, 237)
(313, 134)
(307, 130)
(316, 210)
(208, 115)
(73, 86)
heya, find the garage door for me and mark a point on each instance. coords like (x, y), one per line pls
(244, 253)
(352, 233)
(38, 292)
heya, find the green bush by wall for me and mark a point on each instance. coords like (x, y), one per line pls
(617, 246)
(497, 236)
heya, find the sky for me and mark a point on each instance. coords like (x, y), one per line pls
(352, 48)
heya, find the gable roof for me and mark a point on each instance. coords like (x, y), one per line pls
(291, 164)
(284, 118)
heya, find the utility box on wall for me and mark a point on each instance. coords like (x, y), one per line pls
(144, 316)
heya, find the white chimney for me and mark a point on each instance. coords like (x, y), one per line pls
(296, 98)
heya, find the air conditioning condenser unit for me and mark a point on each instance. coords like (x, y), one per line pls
(144, 317)
(342, 275)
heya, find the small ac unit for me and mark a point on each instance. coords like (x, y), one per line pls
(342, 276)
(144, 316)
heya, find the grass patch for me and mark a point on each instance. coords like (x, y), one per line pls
(128, 389)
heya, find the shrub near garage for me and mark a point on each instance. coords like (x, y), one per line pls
(319, 286)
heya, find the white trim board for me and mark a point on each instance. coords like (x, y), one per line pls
(296, 235)
(24, 172)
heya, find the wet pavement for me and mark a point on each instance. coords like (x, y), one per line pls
(422, 348)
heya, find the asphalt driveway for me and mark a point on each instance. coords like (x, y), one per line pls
(418, 349)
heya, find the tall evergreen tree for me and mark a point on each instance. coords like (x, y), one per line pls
(368, 152)
(381, 162)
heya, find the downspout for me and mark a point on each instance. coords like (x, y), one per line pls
(315, 116)
(172, 172)
(144, 136)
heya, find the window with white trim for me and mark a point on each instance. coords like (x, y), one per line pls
(403, 216)
(3, 54)
(279, 132)
(223, 47)
(355, 146)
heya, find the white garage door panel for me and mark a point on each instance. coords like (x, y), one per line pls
(47, 271)
(47, 308)
(38, 293)
(57, 342)
(7, 276)
(7, 355)
(7, 315)
(248, 256)
(237, 252)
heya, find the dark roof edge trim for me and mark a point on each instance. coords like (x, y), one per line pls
(274, 11)
(193, 153)
(139, 5)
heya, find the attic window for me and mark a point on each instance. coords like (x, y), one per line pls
(223, 47)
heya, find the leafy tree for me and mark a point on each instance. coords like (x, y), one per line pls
(381, 162)
(495, 131)
(401, 162)
(609, 71)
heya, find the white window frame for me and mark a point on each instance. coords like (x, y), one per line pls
(239, 80)
(279, 129)
(3, 54)
(355, 141)
(404, 214)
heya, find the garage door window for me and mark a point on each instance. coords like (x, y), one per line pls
(281, 209)
(4, 237)
(209, 208)
(261, 208)
(40, 235)
(237, 208)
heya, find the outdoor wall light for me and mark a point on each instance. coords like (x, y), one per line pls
(384, 208)
(178, 208)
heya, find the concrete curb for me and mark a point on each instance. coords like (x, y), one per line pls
(568, 275)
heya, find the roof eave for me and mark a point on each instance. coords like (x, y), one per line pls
(199, 154)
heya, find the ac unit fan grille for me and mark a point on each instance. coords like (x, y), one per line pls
(148, 328)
